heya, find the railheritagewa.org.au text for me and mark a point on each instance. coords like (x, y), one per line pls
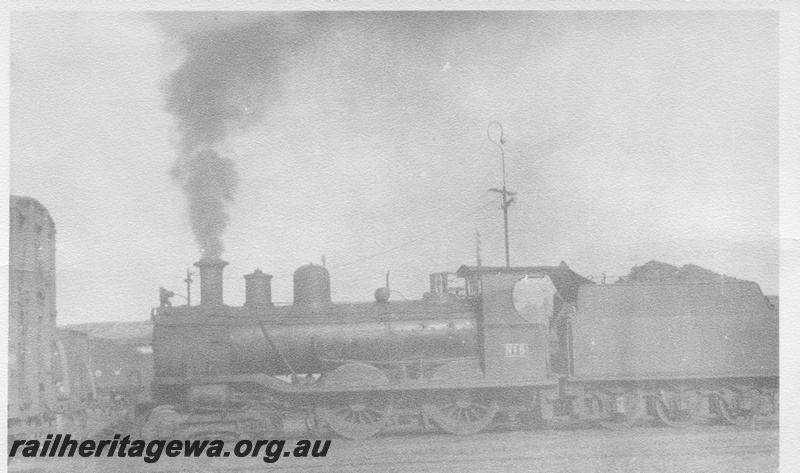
(151, 451)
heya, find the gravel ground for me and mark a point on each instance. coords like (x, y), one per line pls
(645, 449)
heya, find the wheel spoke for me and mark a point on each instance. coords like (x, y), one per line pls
(476, 412)
(679, 406)
(462, 417)
(355, 420)
(671, 416)
(739, 408)
(623, 418)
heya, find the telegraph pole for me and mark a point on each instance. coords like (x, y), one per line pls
(188, 282)
(505, 192)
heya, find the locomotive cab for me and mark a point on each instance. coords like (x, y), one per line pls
(522, 309)
(516, 307)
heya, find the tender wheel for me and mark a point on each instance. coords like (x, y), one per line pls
(739, 407)
(771, 406)
(355, 419)
(594, 408)
(622, 409)
(464, 414)
(679, 410)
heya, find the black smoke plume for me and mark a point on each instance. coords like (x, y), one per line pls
(229, 76)
(209, 181)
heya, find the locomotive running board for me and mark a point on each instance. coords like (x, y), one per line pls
(276, 384)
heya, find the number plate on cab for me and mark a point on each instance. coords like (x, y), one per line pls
(517, 350)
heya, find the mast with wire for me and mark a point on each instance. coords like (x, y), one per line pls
(188, 282)
(505, 192)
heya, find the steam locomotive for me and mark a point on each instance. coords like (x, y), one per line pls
(520, 344)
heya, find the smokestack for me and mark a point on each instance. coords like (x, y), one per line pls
(211, 281)
(258, 289)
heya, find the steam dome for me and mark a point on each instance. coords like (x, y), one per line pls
(312, 285)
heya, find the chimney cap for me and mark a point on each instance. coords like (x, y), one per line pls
(258, 274)
(211, 261)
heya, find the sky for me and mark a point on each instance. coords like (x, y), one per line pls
(630, 136)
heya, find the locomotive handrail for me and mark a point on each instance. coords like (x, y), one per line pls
(275, 347)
